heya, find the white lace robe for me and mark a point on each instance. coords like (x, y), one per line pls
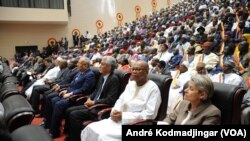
(135, 103)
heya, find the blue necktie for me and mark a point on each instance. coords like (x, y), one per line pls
(77, 77)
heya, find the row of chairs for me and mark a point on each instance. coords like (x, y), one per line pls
(227, 98)
(162, 81)
(17, 110)
(17, 113)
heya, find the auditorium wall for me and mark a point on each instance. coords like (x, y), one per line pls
(23, 31)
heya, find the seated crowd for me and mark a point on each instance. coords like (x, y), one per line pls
(194, 42)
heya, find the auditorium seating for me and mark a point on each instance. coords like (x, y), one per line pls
(96, 72)
(1, 112)
(228, 99)
(10, 79)
(17, 112)
(6, 72)
(163, 82)
(7, 90)
(30, 133)
(8, 83)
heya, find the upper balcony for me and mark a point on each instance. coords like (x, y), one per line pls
(19, 13)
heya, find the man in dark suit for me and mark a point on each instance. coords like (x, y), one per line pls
(69, 77)
(75, 39)
(238, 32)
(66, 44)
(106, 92)
(83, 83)
(63, 80)
(39, 89)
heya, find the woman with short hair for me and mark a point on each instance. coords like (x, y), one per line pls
(196, 108)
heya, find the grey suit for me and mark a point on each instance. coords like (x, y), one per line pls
(205, 114)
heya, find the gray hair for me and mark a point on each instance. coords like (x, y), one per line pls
(204, 84)
(109, 60)
(86, 60)
(60, 59)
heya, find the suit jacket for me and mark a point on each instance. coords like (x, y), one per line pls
(68, 77)
(46, 70)
(60, 75)
(83, 83)
(238, 37)
(110, 91)
(75, 39)
(44, 73)
(40, 68)
(205, 114)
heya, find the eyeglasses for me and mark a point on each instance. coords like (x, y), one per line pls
(138, 69)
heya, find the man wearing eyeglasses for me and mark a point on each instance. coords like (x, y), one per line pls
(106, 92)
(140, 100)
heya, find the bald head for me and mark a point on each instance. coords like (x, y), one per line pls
(143, 64)
(201, 68)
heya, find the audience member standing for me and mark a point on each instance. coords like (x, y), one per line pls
(75, 39)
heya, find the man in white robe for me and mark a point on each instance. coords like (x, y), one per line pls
(164, 54)
(140, 100)
(207, 57)
(50, 75)
(228, 76)
(180, 77)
